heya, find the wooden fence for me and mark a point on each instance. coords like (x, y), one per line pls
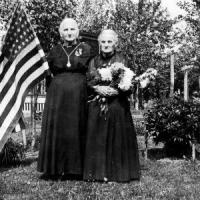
(27, 105)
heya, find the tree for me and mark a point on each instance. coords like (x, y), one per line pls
(46, 16)
(143, 30)
(189, 41)
(6, 9)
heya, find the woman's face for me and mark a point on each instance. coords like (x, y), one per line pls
(107, 43)
(70, 31)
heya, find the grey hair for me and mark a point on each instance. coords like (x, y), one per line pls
(67, 20)
(111, 32)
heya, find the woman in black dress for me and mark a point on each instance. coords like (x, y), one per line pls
(64, 116)
(111, 144)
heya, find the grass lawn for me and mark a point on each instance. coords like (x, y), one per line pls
(160, 179)
(165, 179)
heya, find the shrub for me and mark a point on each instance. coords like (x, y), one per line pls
(36, 145)
(174, 123)
(139, 127)
(12, 153)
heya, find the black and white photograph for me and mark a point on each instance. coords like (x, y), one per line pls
(99, 99)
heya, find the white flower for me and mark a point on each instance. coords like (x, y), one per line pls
(126, 82)
(145, 78)
(151, 71)
(144, 82)
(125, 77)
(105, 74)
(117, 66)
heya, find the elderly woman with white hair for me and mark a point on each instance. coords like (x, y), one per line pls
(111, 145)
(64, 116)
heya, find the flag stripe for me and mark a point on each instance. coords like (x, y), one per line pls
(20, 73)
(6, 134)
(10, 77)
(22, 65)
(1, 58)
(2, 64)
(30, 81)
(9, 67)
(13, 92)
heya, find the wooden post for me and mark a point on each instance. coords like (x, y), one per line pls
(137, 98)
(199, 83)
(186, 85)
(24, 137)
(172, 74)
(146, 137)
(33, 124)
(186, 70)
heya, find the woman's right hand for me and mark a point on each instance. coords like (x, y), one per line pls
(105, 90)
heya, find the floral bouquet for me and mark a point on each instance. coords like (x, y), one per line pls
(113, 78)
(119, 76)
(145, 78)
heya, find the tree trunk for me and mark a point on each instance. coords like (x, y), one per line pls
(172, 75)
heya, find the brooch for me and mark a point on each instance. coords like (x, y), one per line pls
(78, 52)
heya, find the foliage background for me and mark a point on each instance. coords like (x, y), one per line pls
(148, 36)
(175, 123)
(144, 30)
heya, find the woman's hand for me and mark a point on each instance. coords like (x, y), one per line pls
(105, 90)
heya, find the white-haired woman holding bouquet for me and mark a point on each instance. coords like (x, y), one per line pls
(111, 145)
(64, 116)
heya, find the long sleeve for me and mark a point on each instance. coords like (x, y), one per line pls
(50, 60)
(49, 75)
(123, 59)
(93, 76)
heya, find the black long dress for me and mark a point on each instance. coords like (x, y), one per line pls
(111, 144)
(64, 116)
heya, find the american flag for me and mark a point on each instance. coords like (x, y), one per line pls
(22, 65)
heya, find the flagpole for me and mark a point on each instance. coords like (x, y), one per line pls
(33, 96)
(21, 72)
(36, 38)
(33, 124)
